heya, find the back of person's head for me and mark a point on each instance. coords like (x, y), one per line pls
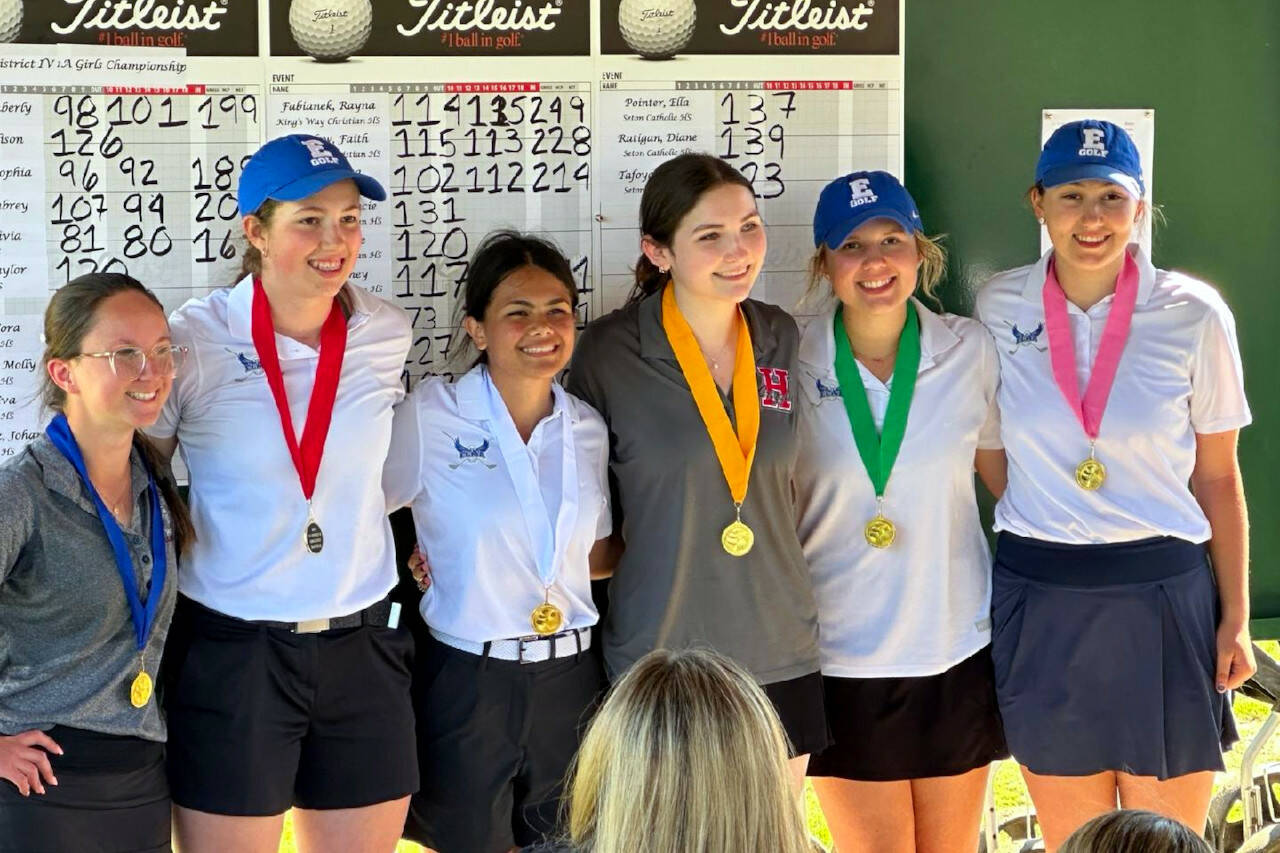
(685, 756)
(1134, 831)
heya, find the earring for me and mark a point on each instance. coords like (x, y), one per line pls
(1041, 220)
(663, 270)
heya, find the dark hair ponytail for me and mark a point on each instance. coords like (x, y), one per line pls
(671, 192)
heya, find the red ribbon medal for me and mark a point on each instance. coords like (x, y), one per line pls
(307, 455)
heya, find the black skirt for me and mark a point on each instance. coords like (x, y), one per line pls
(889, 729)
(111, 797)
(1105, 657)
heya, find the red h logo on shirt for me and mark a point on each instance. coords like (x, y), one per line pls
(776, 393)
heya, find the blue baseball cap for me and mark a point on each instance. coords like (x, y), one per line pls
(1091, 150)
(289, 168)
(847, 202)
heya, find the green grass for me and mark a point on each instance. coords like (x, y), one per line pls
(1011, 795)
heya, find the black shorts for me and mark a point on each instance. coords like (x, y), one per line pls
(799, 703)
(111, 796)
(262, 719)
(888, 729)
(495, 738)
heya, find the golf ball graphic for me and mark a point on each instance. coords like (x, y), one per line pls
(330, 30)
(10, 19)
(656, 29)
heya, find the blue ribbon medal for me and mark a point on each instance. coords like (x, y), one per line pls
(144, 616)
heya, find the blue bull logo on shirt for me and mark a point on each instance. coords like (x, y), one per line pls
(826, 392)
(252, 366)
(475, 454)
(1026, 339)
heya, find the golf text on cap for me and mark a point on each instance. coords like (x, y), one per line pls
(1091, 142)
(860, 192)
(320, 155)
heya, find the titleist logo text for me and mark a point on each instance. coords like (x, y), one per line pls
(797, 15)
(143, 15)
(481, 15)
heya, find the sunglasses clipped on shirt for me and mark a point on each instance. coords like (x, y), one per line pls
(130, 362)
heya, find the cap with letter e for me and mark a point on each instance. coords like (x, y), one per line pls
(290, 168)
(1091, 149)
(847, 202)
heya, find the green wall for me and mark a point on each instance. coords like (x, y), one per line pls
(978, 74)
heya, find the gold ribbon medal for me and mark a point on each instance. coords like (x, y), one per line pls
(546, 617)
(734, 450)
(140, 688)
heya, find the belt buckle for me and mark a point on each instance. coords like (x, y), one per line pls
(520, 644)
(311, 626)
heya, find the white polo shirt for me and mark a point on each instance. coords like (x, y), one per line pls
(921, 605)
(249, 559)
(446, 461)
(1179, 375)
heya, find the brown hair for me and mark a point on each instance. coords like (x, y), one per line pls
(933, 264)
(251, 260)
(69, 317)
(671, 192)
(1134, 831)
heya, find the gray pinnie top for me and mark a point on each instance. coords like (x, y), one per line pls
(67, 646)
(675, 586)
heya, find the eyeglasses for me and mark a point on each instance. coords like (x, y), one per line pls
(129, 362)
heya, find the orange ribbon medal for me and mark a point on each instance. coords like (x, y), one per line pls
(735, 451)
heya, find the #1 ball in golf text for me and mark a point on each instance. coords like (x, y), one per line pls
(656, 29)
(331, 30)
(10, 19)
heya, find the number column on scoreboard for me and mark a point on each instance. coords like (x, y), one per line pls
(23, 276)
(116, 192)
(224, 130)
(469, 158)
(791, 137)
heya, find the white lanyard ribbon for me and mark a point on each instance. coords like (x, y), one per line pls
(548, 541)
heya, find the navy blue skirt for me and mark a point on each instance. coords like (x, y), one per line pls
(1105, 657)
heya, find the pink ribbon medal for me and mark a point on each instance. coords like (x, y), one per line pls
(1090, 473)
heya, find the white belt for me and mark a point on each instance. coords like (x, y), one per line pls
(530, 649)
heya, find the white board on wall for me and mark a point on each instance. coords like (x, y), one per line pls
(539, 115)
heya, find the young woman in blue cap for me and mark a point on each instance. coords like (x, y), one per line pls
(1120, 596)
(896, 407)
(289, 683)
(90, 529)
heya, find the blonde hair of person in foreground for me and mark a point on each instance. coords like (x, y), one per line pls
(1134, 831)
(685, 756)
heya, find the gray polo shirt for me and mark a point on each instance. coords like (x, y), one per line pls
(67, 648)
(675, 586)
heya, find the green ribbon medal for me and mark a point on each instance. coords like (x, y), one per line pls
(879, 450)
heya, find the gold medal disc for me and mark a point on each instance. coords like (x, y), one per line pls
(737, 539)
(880, 532)
(546, 618)
(140, 690)
(1090, 474)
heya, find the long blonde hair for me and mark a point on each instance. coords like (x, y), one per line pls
(685, 756)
